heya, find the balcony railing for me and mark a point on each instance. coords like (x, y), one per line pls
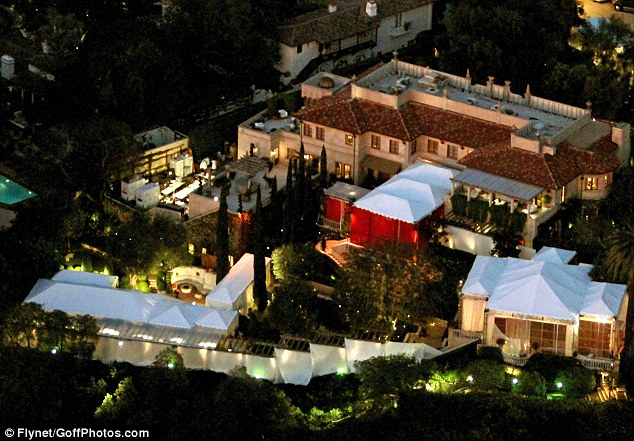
(599, 364)
(515, 360)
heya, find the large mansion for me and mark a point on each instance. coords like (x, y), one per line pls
(528, 152)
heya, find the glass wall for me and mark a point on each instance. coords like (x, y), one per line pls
(534, 336)
(594, 338)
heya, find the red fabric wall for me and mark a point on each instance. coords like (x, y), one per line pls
(332, 208)
(367, 228)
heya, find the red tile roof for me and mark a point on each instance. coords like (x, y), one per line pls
(406, 123)
(349, 19)
(545, 170)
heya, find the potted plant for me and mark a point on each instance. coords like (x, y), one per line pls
(500, 342)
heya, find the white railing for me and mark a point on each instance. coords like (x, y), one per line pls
(599, 364)
(515, 360)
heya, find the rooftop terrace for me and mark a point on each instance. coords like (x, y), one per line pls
(397, 83)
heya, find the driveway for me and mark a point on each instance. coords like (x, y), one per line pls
(593, 9)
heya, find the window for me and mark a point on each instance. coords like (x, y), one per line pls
(320, 133)
(606, 180)
(349, 139)
(592, 183)
(342, 170)
(393, 146)
(594, 338)
(300, 48)
(452, 151)
(308, 130)
(563, 194)
(398, 20)
(376, 142)
(412, 147)
(432, 146)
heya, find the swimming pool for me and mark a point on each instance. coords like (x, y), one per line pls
(12, 193)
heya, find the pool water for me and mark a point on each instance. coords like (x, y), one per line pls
(12, 193)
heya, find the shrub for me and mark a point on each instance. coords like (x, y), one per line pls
(529, 383)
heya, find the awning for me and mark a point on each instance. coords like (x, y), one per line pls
(380, 164)
(498, 184)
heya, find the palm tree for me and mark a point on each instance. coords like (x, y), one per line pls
(620, 264)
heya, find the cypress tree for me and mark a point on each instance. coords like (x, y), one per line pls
(222, 238)
(300, 196)
(259, 267)
(287, 236)
(323, 168)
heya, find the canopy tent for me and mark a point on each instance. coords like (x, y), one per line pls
(484, 275)
(555, 255)
(542, 288)
(603, 299)
(420, 351)
(86, 279)
(392, 211)
(231, 292)
(127, 306)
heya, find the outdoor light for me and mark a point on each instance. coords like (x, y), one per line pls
(170, 365)
(53, 351)
(120, 343)
(470, 379)
(560, 385)
(515, 381)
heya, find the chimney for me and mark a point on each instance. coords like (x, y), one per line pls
(468, 83)
(370, 8)
(527, 95)
(332, 7)
(506, 95)
(490, 85)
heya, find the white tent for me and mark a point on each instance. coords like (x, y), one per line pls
(554, 255)
(232, 291)
(359, 350)
(85, 278)
(603, 299)
(412, 194)
(484, 275)
(127, 306)
(540, 289)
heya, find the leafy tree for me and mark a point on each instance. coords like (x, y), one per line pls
(379, 286)
(169, 358)
(265, 407)
(294, 308)
(143, 244)
(23, 324)
(507, 39)
(485, 375)
(222, 238)
(620, 265)
(618, 206)
(115, 407)
(576, 382)
(530, 383)
(259, 267)
(384, 378)
(292, 262)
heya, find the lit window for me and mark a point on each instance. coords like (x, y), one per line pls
(320, 133)
(452, 151)
(308, 130)
(432, 146)
(606, 180)
(376, 142)
(349, 139)
(342, 170)
(592, 183)
(393, 146)
(191, 248)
